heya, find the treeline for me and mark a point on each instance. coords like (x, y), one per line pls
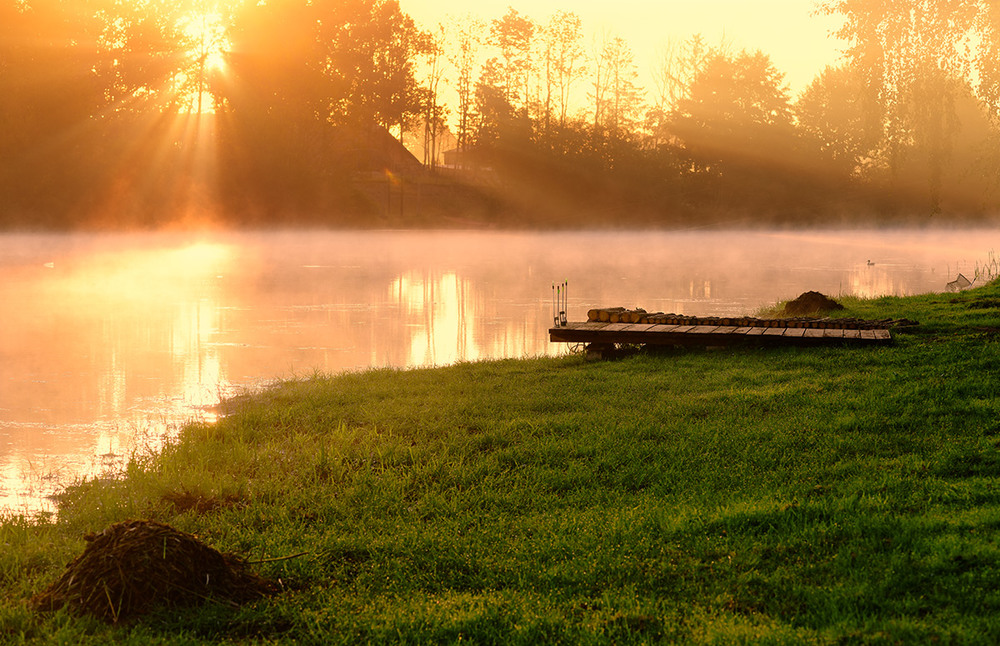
(117, 113)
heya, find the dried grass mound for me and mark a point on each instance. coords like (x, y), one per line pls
(811, 303)
(132, 567)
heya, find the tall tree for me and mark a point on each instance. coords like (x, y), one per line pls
(433, 111)
(735, 127)
(620, 97)
(276, 136)
(465, 41)
(372, 49)
(736, 107)
(49, 99)
(142, 45)
(512, 36)
(563, 57)
(909, 56)
(831, 120)
(672, 73)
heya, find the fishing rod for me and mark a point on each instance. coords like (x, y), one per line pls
(555, 315)
(564, 305)
(560, 303)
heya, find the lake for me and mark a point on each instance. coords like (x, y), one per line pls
(110, 342)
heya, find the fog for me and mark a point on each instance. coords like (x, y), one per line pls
(111, 341)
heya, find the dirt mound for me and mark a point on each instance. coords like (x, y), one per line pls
(133, 567)
(811, 303)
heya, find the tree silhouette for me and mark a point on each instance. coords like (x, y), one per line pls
(49, 97)
(563, 56)
(617, 96)
(735, 109)
(511, 71)
(371, 47)
(831, 120)
(465, 40)
(910, 57)
(117, 112)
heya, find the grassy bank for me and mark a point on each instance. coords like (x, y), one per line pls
(827, 495)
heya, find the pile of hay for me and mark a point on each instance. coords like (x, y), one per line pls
(811, 303)
(135, 566)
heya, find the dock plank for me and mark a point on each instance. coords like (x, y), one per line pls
(640, 327)
(667, 334)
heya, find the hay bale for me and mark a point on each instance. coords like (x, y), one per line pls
(811, 303)
(132, 567)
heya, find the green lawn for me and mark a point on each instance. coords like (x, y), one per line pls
(825, 495)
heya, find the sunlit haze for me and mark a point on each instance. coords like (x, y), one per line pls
(163, 325)
(798, 42)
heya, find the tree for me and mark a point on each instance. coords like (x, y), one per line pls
(466, 37)
(512, 36)
(141, 46)
(563, 56)
(276, 140)
(49, 97)
(909, 56)
(734, 126)
(371, 50)
(204, 39)
(831, 120)
(986, 56)
(618, 101)
(672, 74)
(735, 109)
(495, 115)
(433, 112)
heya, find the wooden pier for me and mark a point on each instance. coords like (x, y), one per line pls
(760, 333)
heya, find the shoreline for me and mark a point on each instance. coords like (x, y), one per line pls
(687, 496)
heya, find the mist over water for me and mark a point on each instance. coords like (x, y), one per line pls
(110, 342)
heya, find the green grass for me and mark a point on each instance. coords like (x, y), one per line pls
(781, 496)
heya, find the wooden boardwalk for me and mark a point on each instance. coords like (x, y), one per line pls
(599, 333)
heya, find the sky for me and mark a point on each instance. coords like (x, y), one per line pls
(798, 42)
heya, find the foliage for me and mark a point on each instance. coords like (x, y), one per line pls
(916, 61)
(118, 113)
(831, 119)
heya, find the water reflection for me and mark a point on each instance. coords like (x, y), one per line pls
(109, 342)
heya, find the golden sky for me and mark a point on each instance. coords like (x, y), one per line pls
(797, 41)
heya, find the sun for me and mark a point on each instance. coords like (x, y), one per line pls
(205, 43)
(205, 34)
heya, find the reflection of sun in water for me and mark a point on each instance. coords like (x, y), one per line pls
(439, 311)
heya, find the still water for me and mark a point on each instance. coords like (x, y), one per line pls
(109, 342)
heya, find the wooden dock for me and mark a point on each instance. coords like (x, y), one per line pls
(603, 333)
